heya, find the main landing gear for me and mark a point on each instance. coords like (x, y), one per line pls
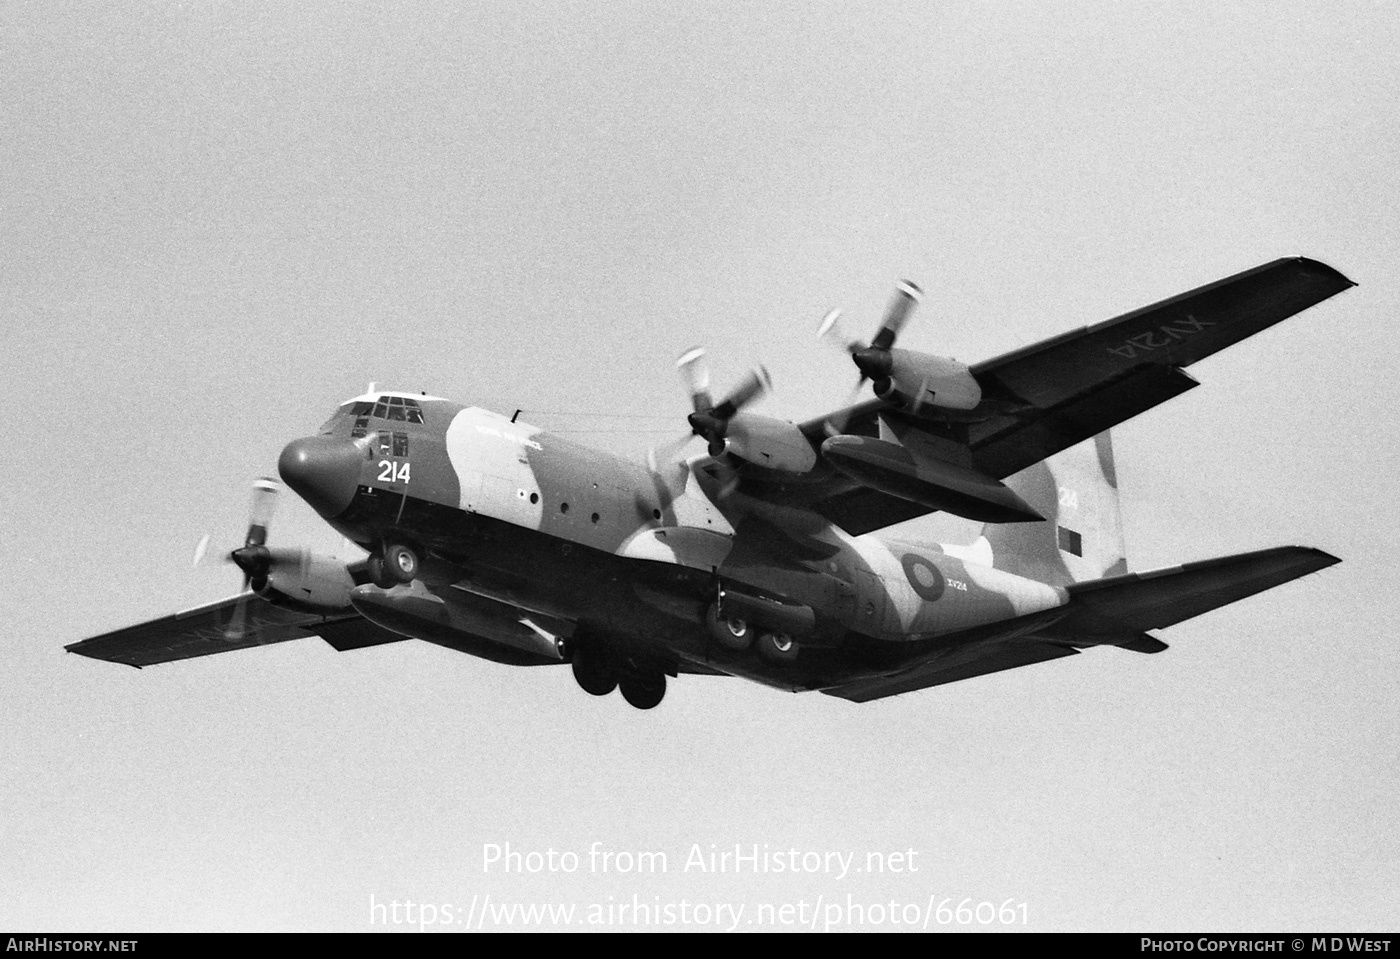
(738, 635)
(597, 675)
(398, 563)
(643, 690)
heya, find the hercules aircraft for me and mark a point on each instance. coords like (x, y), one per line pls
(761, 557)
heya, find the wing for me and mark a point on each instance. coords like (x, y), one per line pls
(1045, 398)
(203, 631)
(993, 659)
(1119, 606)
(972, 652)
(1067, 389)
(1115, 612)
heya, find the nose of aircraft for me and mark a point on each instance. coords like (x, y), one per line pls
(324, 471)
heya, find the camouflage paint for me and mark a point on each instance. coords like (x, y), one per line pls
(637, 554)
(1076, 489)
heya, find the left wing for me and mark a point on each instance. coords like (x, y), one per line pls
(1136, 602)
(973, 652)
(203, 631)
(1115, 611)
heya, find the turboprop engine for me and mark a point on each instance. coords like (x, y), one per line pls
(307, 581)
(905, 379)
(295, 578)
(726, 428)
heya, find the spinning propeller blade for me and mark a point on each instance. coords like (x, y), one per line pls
(874, 360)
(709, 420)
(253, 557)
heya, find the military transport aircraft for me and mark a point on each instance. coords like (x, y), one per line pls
(760, 557)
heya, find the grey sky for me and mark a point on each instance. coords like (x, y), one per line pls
(220, 219)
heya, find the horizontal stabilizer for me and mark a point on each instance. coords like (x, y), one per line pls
(1138, 602)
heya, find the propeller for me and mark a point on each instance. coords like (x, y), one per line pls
(874, 359)
(708, 420)
(253, 557)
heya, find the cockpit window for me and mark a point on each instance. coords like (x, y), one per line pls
(400, 409)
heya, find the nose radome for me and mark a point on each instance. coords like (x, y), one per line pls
(324, 471)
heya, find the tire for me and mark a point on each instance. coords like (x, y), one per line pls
(401, 563)
(644, 691)
(378, 575)
(777, 648)
(732, 633)
(592, 672)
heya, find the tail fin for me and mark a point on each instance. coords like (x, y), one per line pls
(1082, 537)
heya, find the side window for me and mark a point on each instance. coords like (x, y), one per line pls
(400, 444)
(386, 442)
(1071, 542)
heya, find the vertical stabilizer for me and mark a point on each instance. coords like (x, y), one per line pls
(1082, 537)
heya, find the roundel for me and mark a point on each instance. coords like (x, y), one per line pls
(923, 576)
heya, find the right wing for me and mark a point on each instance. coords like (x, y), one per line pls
(1069, 388)
(1047, 397)
(204, 630)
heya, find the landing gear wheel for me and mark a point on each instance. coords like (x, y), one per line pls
(378, 575)
(645, 690)
(592, 672)
(777, 648)
(730, 632)
(401, 563)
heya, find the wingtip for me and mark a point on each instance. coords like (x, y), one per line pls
(1323, 557)
(1336, 276)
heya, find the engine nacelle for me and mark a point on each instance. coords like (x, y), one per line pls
(306, 581)
(921, 379)
(771, 443)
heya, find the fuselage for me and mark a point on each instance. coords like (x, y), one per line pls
(634, 555)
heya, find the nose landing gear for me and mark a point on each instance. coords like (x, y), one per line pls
(398, 563)
(401, 562)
